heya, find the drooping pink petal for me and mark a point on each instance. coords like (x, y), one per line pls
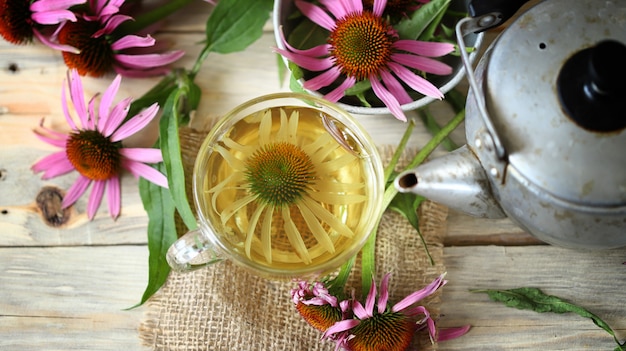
(452, 333)
(145, 155)
(53, 17)
(316, 51)
(424, 64)
(54, 45)
(52, 5)
(340, 91)
(424, 48)
(388, 99)
(135, 124)
(64, 107)
(353, 6)
(133, 41)
(316, 14)
(370, 301)
(322, 80)
(116, 117)
(75, 191)
(111, 25)
(416, 82)
(341, 326)
(107, 101)
(148, 60)
(395, 88)
(53, 165)
(114, 196)
(144, 73)
(420, 294)
(335, 7)
(314, 64)
(139, 169)
(56, 139)
(95, 197)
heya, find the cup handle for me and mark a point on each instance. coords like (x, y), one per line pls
(190, 252)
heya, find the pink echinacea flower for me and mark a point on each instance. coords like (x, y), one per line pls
(362, 45)
(94, 148)
(99, 48)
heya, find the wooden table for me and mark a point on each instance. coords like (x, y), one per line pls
(67, 288)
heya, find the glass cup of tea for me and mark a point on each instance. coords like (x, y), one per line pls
(287, 185)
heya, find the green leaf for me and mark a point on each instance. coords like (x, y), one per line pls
(307, 34)
(534, 299)
(161, 232)
(407, 205)
(429, 32)
(414, 26)
(170, 147)
(235, 24)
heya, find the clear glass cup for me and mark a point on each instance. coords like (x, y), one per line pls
(287, 185)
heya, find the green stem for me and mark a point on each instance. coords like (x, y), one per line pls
(145, 19)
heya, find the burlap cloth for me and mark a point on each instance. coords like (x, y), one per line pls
(224, 308)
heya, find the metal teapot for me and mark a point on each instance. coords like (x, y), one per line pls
(545, 124)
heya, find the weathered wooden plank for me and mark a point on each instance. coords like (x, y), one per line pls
(592, 279)
(71, 298)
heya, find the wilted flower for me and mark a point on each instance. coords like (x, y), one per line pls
(362, 45)
(95, 149)
(380, 326)
(317, 305)
(20, 20)
(100, 49)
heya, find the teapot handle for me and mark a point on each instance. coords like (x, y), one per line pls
(501, 9)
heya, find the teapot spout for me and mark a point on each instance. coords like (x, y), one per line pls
(456, 180)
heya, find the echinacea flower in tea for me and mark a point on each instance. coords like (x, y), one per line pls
(94, 148)
(286, 192)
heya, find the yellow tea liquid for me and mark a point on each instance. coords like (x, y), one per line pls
(341, 189)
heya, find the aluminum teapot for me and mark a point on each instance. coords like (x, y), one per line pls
(545, 124)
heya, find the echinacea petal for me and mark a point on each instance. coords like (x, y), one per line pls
(95, 198)
(53, 165)
(395, 88)
(416, 82)
(322, 80)
(316, 51)
(52, 5)
(77, 97)
(75, 191)
(388, 99)
(370, 301)
(379, 7)
(335, 7)
(420, 294)
(452, 333)
(111, 25)
(316, 14)
(148, 60)
(314, 64)
(133, 41)
(136, 123)
(145, 155)
(339, 92)
(424, 64)
(114, 196)
(341, 326)
(107, 101)
(54, 45)
(424, 48)
(115, 117)
(384, 294)
(139, 169)
(53, 17)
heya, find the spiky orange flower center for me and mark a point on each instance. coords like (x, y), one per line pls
(93, 155)
(361, 44)
(319, 317)
(279, 173)
(96, 56)
(16, 26)
(389, 331)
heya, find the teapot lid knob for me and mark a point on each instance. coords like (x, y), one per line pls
(592, 84)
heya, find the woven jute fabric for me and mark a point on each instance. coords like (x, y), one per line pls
(224, 308)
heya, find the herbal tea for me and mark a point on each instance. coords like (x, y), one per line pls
(285, 191)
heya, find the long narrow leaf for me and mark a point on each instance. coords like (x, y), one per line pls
(161, 233)
(414, 27)
(170, 147)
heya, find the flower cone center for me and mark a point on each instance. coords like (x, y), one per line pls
(320, 317)
(280, 173)
(385, 331)
(96, 55)
(93, 155)
(16, 26)
(361, 44)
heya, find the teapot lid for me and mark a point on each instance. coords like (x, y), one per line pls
(554, 88)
